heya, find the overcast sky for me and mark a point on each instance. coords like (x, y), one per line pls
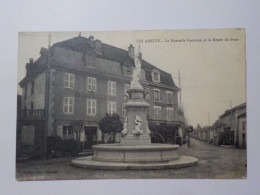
(212, 69)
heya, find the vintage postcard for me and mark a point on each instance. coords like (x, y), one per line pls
(159, 104)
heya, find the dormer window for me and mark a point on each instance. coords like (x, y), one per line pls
(156, 76)
(128, 70)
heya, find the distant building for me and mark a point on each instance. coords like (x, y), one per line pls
(230, 128)
(242, 130)
(230, 119)
(83, 79)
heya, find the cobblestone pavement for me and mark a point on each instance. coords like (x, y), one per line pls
(214, 163)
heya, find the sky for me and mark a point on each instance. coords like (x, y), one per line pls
(211, 63)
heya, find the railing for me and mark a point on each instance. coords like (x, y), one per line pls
(32, 114)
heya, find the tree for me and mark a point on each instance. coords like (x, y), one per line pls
(110, 124)
(77, 128)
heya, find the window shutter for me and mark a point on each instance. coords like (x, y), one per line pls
(94, 84)
(71, 105)
(72, 81)
(65, 102)
(160, 96)
(66, 80)
(59, 131)
(114, 107)
(89, 83)
(109, 87)
(114, 88)
(93, 107)
(88, 107)
(108, 107)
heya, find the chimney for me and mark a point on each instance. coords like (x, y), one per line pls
(140, 53)
(97, 45)
(29, 66)
(31, 60)
(91, 40)
(43, 51)
(131, 51)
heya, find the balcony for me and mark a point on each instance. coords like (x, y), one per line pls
(32, 114)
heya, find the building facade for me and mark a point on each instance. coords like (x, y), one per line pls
(234, 124)
(83, 79)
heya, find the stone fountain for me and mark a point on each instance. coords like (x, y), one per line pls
(135, 151)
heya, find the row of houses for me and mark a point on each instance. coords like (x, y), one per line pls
(83, 79)
(229, 129)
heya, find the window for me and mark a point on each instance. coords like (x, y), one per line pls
(91, 107)
(92, 84)
(147, 93)
(169, 97)
(111, 107)
(244, 125)
(123, 110)
(157, 112)
(156, 76)
(128, 69)
(69, 80)
(32, 106)
(169, 114)
(157, 95)
(32, 89)
(67, 132)
(111, 88)
(68, 105)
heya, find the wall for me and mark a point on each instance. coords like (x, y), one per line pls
(38, 98)
(163, 103)
(242, 131)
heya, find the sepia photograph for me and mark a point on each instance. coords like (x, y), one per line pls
(147, 104)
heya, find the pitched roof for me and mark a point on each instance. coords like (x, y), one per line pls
(109, 52)
(227, 112)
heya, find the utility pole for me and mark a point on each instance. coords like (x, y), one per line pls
(209, 118)
(49, 40)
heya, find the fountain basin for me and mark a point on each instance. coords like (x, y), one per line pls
(135, 154)
(118, 156)
(89, 163)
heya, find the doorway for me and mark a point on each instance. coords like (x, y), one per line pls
(90, 136)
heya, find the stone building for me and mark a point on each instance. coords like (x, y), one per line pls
(230, 128)
(83, 79)
(233, 121)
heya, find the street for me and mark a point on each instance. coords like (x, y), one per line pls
(214, 163)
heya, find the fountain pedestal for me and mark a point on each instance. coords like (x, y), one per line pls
(138, 133)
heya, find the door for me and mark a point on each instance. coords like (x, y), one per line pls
(90, 136)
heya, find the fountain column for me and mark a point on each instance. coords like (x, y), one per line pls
(136, 131)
